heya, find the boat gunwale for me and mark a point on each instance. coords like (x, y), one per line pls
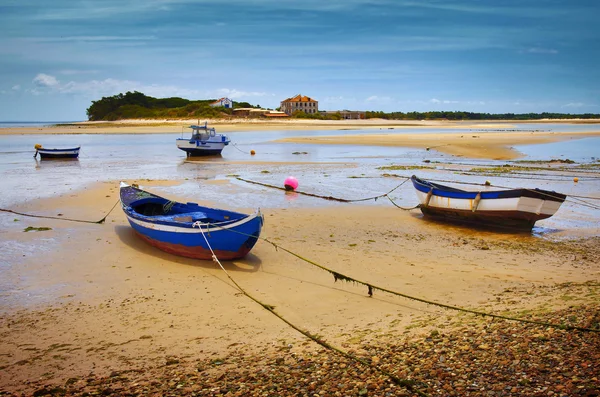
(444, 191)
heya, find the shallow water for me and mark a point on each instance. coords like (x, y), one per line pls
(346, 171)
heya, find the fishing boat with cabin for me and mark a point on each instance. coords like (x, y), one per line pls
(512, 208)
(204, 141)
(188, 229)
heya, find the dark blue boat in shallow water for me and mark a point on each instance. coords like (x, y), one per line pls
(188, 229)
(46, 154)
(511, 208)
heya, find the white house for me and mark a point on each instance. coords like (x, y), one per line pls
(224, 102)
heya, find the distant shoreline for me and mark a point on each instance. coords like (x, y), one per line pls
(246, 124)
(484, 139)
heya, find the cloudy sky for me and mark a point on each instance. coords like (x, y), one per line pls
(393, 55)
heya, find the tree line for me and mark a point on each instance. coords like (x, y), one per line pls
(135, 105)
(458, 115)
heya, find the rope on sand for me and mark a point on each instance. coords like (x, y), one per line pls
(343, 200)
(407, 383)
(61, 218)
(370, 288)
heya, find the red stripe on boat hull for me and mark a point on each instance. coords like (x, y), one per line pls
(195, 252)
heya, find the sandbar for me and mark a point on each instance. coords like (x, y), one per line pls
(490, 140)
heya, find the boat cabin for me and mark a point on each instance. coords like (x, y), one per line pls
(202, 133)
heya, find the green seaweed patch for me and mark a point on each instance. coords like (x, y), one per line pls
(341, 277)
(265, 172)
(37, 229)
(504, 169)
(562, 161)
(405, 167)
(589, 166)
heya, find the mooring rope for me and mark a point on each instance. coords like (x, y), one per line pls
(61, 218)
(343, 200)
(407, 383)
(502, 187)
(557, 178)
(581, 168)
(372, 287)
(235, 146)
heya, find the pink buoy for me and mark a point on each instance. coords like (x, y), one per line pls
(290, 183)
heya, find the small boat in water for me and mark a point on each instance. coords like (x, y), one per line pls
(204, 141)
(188, 229)
(513, 208)
(45, 154)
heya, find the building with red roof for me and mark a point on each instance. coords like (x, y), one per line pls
(299, 102)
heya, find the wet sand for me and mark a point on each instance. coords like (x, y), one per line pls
(92, 309)
(114, 305)
(488, 145)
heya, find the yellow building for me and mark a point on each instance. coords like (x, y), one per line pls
(299, 102)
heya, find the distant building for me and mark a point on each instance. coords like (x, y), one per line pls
(249, 112)
(276, 114)
(224, 102)
(299, 102)
(347, 114)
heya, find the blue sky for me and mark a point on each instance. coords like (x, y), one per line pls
(406, 55)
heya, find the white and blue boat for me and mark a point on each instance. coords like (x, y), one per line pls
(46, 154)
(512, 208)
(188, 229)
(204, 141)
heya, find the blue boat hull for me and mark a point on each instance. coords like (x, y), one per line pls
(190, 230)
(227, 244)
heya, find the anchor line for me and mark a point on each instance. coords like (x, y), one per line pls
(408, 384)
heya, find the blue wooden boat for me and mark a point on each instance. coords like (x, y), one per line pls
(45, 154)
(188, 229)
(204, 141)
(512, 208)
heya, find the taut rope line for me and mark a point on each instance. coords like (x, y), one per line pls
(61, 218)
(371, 288)
(400, 382)
(326, 197)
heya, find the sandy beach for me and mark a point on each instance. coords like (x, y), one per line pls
(94, 310)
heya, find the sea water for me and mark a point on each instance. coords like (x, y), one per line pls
(347, 171)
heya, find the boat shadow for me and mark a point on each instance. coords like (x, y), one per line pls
(56, 163)
(468, 228)
(213, 158)
(250, 263)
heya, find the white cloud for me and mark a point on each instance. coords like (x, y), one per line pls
(376, 98)
(337, 99)
(70, 72)
(574, 105)
(16, 87)
(433, 100)
(97, 88)
(538, 50)
(45, 80)
(233, 93)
